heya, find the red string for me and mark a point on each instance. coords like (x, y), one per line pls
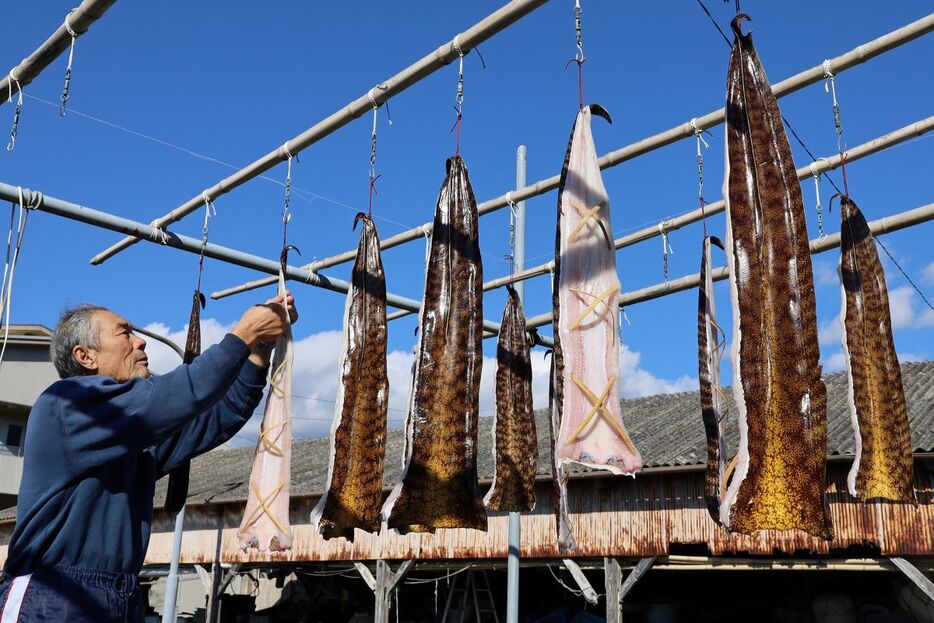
(703, 215)
(456, 128)
(373, 179)
(580, 83)
(846, 189)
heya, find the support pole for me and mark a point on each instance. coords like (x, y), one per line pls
(883, 225)
(171, 581)
(914, 574)
(613, 577)
(815, 74)
(447, 52)
(88, 12)
(634, 576)
(141, 231)
(515, 523)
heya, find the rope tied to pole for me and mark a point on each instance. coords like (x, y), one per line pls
(699, 136)
(16, 113)
(13, 246)
(71, 57)
(815, 174)
(459, 98)
(209, 211)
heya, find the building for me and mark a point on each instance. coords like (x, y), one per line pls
(25, 373)
(657, 520)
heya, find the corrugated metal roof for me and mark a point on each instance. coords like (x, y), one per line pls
(666, 428)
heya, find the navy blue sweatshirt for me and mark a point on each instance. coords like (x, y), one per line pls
(95, 448)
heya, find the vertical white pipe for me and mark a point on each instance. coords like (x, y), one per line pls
(515, 530)
(171, 582)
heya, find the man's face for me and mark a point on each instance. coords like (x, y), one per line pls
(121, 353)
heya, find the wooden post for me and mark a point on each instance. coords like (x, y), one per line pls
(912, 573)
(638, 571)
(382, 585)
(213, 607)
(613, 578)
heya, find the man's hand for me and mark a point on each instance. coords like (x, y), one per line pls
(260, 325)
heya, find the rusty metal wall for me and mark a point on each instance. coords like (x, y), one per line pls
(612, 517)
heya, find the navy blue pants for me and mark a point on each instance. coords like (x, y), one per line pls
(71, 594)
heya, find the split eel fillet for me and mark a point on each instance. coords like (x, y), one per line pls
(265, 523)
(883, 465)
(586, 409)
(177, 492)
(515, 444)
(781, 400)
(710, 344)
(438, 487)
(353, 494)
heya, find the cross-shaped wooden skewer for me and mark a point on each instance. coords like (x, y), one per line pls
(593, 305)
(262, 501)
(270, 445)
(587, 214)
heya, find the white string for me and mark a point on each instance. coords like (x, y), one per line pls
(6, 294)
(830, 86)
(158, 234)
(820, 210)
(16, 113)
(71, 57)
(666, 247)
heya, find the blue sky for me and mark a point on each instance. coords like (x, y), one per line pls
(233, 80)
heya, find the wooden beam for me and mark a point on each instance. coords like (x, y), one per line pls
(613, 577)
(386, 580)
(641, 567)
(915, 575)
(589, 593)
(364, 571)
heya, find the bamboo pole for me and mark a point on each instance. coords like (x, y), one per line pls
(141, 231)
(88, 12)
(427, 65)
(819, 167)
(883, 225)
(857, 55)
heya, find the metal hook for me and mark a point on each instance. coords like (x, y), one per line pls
(736, 23)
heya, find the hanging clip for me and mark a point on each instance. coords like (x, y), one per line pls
(820, 209)
(830, 86)
(459, 98)
(373, 175)
(513, 212)
(286, 214)
(71, 57)
(666, 247)
(16, 113)
(579, 56)
(427, 232)
(699, 136)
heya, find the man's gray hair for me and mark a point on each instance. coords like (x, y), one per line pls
(74, 328)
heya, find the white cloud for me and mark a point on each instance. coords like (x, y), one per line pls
(927, 274)
(825, 273)
(315, 378)
(901, 307)
(830, 332)
(834, 363)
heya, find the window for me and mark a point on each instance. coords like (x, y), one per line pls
(14, 435)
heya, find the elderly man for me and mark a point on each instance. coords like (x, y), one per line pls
(97, 442)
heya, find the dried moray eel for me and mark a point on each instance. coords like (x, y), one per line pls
(353, 493)
(781, 400)
(438, 487)
(883, 465)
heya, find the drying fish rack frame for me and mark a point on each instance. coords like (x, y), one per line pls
(90, 10)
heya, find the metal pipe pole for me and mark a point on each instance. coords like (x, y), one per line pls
(515, 524)
(883, 225)
(819, 167)
(171, 581)
(142, 231)
(857, 55)
(427, 65)
(88, 12)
